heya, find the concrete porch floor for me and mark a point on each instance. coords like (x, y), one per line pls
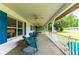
(45, 47)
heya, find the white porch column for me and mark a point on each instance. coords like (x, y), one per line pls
(53, 30)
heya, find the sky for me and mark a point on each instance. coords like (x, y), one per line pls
(76, 13)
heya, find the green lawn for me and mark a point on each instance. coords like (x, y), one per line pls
(74, 35)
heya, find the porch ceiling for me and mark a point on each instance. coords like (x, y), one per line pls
(36, 13)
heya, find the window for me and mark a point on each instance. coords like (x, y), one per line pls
(11, 22)
(11, 27)
(20, 24)
(24, 28)
(14, 28)
(20, 27)
(32, 27)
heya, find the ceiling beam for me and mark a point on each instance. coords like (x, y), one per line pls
(68, 10)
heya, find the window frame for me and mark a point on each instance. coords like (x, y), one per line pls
(8, 39)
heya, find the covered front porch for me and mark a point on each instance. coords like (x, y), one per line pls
(20, 20)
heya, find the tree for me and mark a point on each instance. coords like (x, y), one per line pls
(65, 22)
(50, 27)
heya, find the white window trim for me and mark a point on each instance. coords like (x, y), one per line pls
(9, 39)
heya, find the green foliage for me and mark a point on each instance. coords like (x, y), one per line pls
(65, 22)
(58, 26)
(70, 21)
(50, 27)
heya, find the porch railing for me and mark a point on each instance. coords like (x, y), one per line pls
(66, 44)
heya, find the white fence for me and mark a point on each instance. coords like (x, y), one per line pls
(69, 47)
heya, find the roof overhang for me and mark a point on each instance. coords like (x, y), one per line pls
(71, 8)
